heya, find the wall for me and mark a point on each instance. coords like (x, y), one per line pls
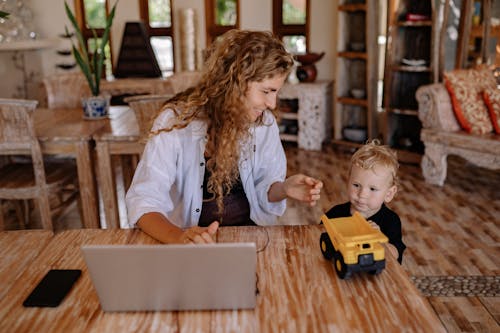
(50, 20)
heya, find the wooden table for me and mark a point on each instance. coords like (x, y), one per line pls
(19, 248)
(119, 137)
(299, 291)
(66, 132)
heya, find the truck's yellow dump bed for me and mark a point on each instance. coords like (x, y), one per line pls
(352, 230)
(354, 236)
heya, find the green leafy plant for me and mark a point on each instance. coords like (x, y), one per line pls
(91, 62)
(3, 14)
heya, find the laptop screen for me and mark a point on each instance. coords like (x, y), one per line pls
(173, 277)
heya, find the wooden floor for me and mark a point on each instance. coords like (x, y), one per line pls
(452, 232)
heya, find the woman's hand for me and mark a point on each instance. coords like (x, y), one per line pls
(299, 187)
(199, 235)
(303, 188)
(159, 227)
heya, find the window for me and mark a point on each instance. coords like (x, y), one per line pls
(221, 16)
(91, 14)
(158, 17)
(291, 24)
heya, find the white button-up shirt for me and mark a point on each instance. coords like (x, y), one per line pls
(169, 177)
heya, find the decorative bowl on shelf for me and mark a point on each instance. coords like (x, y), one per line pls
(282, 128)
(355, 134)
(415, 17)
(357, 46)
(413, 62)
(292, 129)
(309, 58)
(358, 93)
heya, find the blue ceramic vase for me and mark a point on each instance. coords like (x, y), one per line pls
(96, 107)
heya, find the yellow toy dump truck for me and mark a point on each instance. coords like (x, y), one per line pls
(353, 245)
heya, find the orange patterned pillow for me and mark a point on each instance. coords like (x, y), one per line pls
(492, 100)
(465, 87)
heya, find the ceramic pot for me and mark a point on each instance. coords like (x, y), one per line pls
(96, 107)
(307, 73)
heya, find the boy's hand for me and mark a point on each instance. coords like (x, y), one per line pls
(374, 225)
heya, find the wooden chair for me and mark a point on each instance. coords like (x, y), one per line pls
(146, 108)
(65, 90)
(25, 179)
(182, 80)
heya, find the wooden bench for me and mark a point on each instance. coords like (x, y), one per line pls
(442, 136)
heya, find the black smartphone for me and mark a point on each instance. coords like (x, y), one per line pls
(52, 289)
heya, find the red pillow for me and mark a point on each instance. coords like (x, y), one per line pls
(465, 87)
(492, 100)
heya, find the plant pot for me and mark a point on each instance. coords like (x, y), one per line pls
(96, 107)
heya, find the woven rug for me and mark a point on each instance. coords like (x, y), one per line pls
(449, 286)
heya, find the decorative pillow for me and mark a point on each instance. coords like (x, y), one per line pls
(465, 87)
(492, 100)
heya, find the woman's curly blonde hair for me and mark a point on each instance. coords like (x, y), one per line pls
(233, 61)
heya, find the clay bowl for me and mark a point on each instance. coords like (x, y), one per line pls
(356, 134)
(309, 58)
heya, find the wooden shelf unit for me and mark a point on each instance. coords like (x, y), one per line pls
(479, 40)
(357, 68)
(412, 41)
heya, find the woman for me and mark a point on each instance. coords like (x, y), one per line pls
(215, 156)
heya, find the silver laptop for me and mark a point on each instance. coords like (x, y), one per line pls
(173, 277)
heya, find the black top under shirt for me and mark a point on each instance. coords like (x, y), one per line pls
(386, 219)
(236, 206)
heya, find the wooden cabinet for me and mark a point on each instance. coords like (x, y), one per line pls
(355, 115)
(408, 65)
(305, 113)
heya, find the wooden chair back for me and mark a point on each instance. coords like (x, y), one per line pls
(182, 80)
(24, 181)
(65, 90)
(146, 108)
(17, 132)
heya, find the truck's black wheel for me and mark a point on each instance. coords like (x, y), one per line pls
(340, 267)
(326, 246)
(376, 271)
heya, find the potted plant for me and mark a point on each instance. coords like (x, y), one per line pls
(91, 63)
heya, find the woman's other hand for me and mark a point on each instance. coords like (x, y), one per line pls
(199, 235)
(303, 188)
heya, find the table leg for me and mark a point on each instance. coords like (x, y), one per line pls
(88, 190)
(108, 185)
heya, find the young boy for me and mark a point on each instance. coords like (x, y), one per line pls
(373, 181)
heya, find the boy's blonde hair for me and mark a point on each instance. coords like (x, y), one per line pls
(372, 154)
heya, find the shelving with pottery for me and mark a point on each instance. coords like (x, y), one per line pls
(355, 114)
(408, 65)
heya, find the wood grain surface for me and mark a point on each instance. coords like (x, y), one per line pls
(299, 291)
(19, 249)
